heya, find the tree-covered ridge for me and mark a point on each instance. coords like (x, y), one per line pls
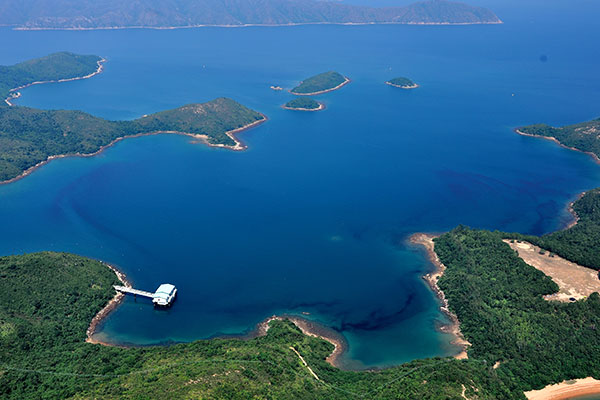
(584, 136)
(48, 300)
(498, 299)
(305, 103)
(580, 243)
(89, 14)
(29, 136)
(402, 82)
(53, 67)
(320, 83)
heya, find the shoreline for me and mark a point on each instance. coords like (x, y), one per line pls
(108, 308)
(414, 86)
(23, 28)
(321, 107)
(239, 146)
(309, 328)
(15, 94)
(347, 81)
(571, 211)
(426, 241)
(566, 390)
(555, 140)
(580, 195)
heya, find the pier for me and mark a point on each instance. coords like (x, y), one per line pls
(136, 292)
(163, 297)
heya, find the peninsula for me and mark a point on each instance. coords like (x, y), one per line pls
(30, 137)
(584, 136)
(89, 14)
(402, 83)
(304, 104)
(321, 83)
(57, 67)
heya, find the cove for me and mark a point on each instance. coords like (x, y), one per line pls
(313, 218)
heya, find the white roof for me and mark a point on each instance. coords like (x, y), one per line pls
(164, 291)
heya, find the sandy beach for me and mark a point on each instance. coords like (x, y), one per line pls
(426, 240)
(566, 390)
(203, 138)
(347, 81)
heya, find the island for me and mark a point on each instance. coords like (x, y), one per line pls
(57, 67)
(276, 88)
(321, 83)
(89, 14)
(584, 136)
(402, 83)
(31, 137)
(304, 104)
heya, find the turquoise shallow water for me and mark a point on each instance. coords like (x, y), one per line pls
(314, 217)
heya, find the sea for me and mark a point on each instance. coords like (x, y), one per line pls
(313, 219)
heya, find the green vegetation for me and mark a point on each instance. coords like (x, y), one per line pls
(305, 103)
(584, 136)
(581, 243)
(404, 83)
(29, 136)
(167, 13)
(319, 83)
(50, 68)
(498, 299)
(48, 300)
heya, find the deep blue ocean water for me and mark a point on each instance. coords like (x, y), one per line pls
(314, 216)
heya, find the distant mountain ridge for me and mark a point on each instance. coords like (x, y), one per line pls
(104, 14)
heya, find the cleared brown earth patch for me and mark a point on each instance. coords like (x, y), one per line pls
(575, 282)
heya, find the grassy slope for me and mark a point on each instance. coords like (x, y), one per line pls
(320, 82)
(29, 136)
(55, 66)
(49, 298)
(584, 136)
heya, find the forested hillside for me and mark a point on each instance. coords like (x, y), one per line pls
(88, 14)
(49, 299)
(29, 136)
(498, 299)
(584, 136)
(55, 66)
